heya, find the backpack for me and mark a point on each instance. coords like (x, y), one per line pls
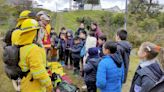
(62, 86)
(65, 87)
(11, 58)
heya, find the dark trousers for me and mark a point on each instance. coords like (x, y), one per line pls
(61, 55)
(68, 57)
(91, 87)
(76, 63)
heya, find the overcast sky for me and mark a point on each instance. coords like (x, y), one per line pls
(61, 4)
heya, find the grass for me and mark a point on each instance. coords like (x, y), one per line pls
(68, 19)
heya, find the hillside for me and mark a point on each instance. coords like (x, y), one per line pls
(68, 19)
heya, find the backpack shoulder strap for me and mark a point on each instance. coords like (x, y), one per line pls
(23, 57)
(97, 60)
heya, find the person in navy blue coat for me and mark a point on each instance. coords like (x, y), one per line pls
(90, 69)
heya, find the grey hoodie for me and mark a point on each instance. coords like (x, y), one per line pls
(124, 47)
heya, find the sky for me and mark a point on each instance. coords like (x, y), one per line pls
(62, 4)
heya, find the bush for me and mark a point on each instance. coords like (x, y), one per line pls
(86, 20)
(160, 20)
(149, 25)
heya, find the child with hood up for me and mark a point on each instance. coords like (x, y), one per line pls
(62, 45)
(69, 44)
(90, 69)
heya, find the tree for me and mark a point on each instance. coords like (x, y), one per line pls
(146, 8)
(93, 2)
(80, 3)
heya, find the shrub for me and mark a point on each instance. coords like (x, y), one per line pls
(86, 20)
(149, 25)
(160, 20)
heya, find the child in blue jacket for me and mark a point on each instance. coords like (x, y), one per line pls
(109, 75)
(75, 52)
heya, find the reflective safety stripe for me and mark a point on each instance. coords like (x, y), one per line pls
(25, 68)
(45, 81)
(38, 72)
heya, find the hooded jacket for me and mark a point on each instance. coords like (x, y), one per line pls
(98, 32)
(70, 41)
(90, 68)
(109, 76)
(119, 62)
(124, 47)
(146, 76)
(33, 59)
(76, 51)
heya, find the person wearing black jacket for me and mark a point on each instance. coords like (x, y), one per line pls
(90, 69)
(124, 47)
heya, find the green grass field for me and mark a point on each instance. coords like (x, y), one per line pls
(68, 19)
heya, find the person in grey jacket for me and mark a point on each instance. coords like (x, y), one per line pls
(149, 71)
(124, 47)
(90, 69)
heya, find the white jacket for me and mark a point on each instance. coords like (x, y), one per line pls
(90, 42)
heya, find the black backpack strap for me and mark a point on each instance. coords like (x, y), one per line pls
(97, 60)
(24, 74)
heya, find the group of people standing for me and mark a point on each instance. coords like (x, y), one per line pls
(100, 62)
(103, 64)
